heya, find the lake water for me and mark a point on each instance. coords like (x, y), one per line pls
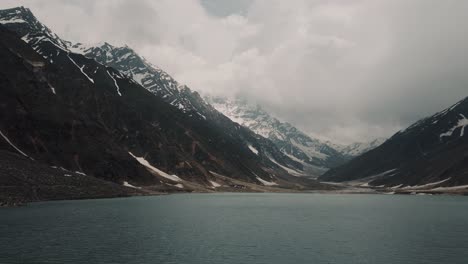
(239, 228)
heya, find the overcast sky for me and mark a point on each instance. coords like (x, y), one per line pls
(349, 70)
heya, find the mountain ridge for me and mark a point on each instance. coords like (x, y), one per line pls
(140, 138)
(131, 64)
(433, 149)
(317, 154)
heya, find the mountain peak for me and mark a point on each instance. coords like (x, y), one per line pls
(23, 22)
(106, 46)
(17, 10)
(290, 140)
(17, 15)
(358, 148)
(136, 67)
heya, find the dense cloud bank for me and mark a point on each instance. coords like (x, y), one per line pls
(347, 70)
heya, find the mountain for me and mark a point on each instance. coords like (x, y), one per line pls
(357, 148)
(312, 156)
(317, 156)
(128, 62)
(160, 83)
(70, 113)
(433, 151)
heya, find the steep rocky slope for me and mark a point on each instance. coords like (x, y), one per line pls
(433, 150)
(62, 109)
(158, 82)
(24, 180)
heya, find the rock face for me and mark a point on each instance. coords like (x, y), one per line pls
(314, 154)
(135, 67)
(64, 109)
(158, 82)
(434, 149)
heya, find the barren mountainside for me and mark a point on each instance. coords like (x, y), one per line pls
(433, 150)
(67, 110)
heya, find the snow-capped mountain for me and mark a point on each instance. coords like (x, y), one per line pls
(357, 148)
(127, 61)
(160, 83)
(136, 107)
(434, 149)
(289, 139)
(304, 149)
(22, 21)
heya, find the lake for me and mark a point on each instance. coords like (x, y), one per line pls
(239, 228)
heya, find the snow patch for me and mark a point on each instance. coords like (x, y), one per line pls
(295, 158)
(178, 185)
(254, 150)
(425, 186)
(126, 184)
(13, 145)
(145, 163)
(463, 122)
(266, 183)
(454, 188)
(12, 21)
(289, 170)
(115, 83)
(139, 77)
(215, 184)
(364, 182)
(52, 89)
(81, 69)
(25, 38)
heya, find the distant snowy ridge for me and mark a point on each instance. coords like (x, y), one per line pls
(358, 148)
(294, 143)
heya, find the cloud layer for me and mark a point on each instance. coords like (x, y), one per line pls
(347, 70)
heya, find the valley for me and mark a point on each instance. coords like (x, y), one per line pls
(91, 121)
(220, 131)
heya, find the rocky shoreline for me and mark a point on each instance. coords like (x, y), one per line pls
(17, 201)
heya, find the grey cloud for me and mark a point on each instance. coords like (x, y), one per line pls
(347, 70)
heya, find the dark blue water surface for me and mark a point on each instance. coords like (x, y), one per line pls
(239, 228)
